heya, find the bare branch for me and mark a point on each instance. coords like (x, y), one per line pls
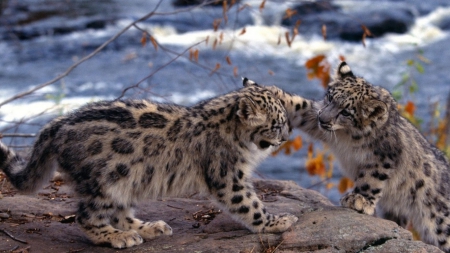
(101, 47)
(12, 237)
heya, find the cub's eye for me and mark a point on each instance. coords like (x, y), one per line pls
(345, 113)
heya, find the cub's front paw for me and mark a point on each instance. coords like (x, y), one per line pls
(279, 223)
(357, 202)
(150, 230)
(125, 239)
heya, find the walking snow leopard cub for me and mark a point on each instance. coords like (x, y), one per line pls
(119, 152)
(391, 163)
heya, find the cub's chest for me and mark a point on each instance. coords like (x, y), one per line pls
(352, 159)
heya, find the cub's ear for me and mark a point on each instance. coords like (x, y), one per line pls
(249, 113)
(247, 82)
(374, 109)
(344, 71)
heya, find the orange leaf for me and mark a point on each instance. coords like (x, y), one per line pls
(215, 69)
(297, 143)
(297, 23)
(271, 72)
(261, 6)
(341, 57)
(315, 166)
(318, 67)
(310, 150)
(228, 60)
(410, 108)
(155, 44)
(242, 31)
(345, 184)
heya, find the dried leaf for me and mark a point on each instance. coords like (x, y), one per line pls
(364, 40)
(324, 32)
(155, 44)
(228, 60)
(271, 72)
(286, 35)
(225, 9)
(144, 39)
(279, 39)
(341, 57)
(216, 23)
(289, 13)
(215, 69)
(297, 23)
(221, 38)
(345, 184)
(196, 55)
(235, 71)
(262, 5)
(242, 31)
(366, 31)
(214, 44)
(233, 2)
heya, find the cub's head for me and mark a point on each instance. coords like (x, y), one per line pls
(352, 105)
(263, 115)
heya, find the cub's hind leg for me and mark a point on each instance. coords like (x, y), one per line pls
(124, 219)
(94, 218)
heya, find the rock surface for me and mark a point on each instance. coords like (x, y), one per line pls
(45, 221)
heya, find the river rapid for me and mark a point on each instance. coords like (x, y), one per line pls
(251, 43)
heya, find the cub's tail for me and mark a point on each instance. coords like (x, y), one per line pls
(28, 176)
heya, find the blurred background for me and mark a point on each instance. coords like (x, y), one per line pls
(186, 51)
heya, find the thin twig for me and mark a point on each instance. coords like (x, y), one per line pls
(40, 86)
(154, 72)
(12, 237)
(175, 207)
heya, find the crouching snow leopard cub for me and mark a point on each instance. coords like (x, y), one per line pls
(118, 152)
(391, 163)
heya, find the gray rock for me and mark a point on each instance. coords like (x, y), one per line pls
(322, 227)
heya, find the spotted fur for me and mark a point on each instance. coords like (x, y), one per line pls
(119, 152)
(392, 164)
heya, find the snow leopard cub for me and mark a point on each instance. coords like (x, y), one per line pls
(119, 152)
(393, 166)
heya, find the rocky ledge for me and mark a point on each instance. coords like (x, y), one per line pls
(45, 223)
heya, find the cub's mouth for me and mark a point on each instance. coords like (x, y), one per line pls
(265, 144)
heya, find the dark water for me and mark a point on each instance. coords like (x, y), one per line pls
(41, 39)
